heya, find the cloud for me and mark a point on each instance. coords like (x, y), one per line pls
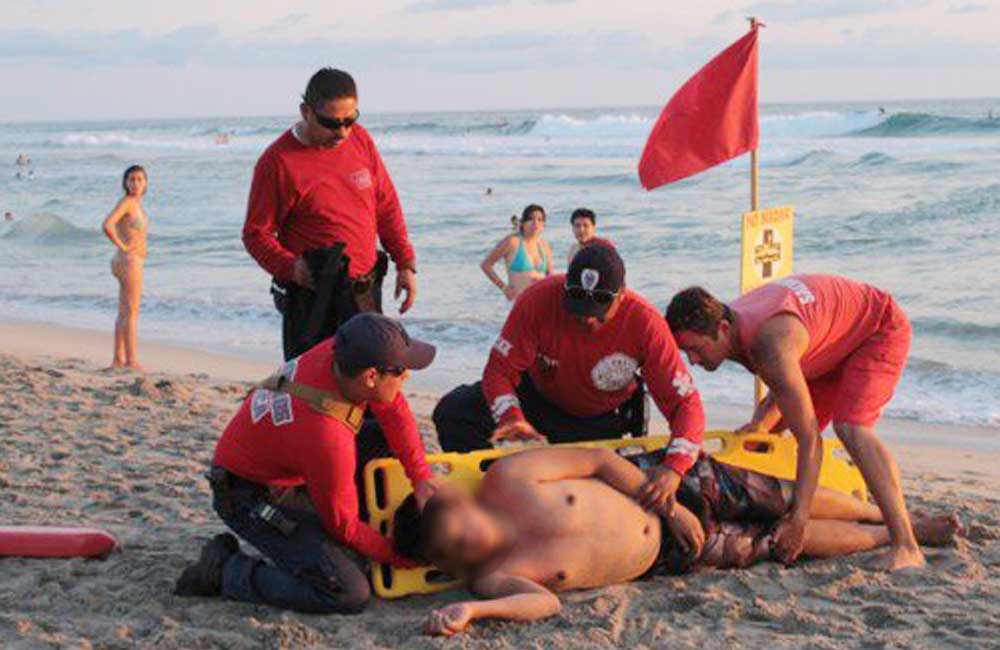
(422, 6)
(970, 8)
(724, 17)
(799, 10)
(425, 6)
(284, 23)
(82, 48)
(885, 48)
(208, 46)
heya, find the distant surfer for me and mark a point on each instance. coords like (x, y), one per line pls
(126, 227)
(831, 350)
(584, 223)
(489, 191)
(8, 216)
(881, 110)
(527, 255)
(24, 166)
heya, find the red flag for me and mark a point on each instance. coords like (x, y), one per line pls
(712, 118)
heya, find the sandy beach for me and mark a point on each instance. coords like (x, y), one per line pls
(84, 446)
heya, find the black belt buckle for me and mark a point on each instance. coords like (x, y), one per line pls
(361, 286)
(274, 517)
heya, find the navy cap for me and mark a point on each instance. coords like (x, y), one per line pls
(596, 267)
(373, 340)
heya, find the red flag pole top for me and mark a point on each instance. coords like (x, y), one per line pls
(711, 119)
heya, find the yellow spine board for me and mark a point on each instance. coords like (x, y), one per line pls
(386, 486)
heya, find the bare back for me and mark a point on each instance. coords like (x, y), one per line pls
(573, 533)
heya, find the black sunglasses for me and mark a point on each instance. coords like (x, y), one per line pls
(597, 296)
(334, 124)
(395, 371)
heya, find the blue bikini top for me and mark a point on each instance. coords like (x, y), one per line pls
(522, 263)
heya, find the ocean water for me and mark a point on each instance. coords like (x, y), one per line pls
(908, 200)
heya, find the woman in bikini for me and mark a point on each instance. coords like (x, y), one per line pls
(527, 255)
(126, 228)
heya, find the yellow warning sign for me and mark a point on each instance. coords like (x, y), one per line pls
(767, 246)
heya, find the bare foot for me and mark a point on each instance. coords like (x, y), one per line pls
(899, 558)
(937, 530)
(135, 367)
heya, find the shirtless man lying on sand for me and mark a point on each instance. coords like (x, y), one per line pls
(556, 519)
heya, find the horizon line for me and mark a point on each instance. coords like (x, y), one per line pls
(874, 102)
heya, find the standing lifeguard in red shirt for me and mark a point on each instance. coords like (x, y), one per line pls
(299, 429)
(829, 348)
(567, 367)
(320, 201)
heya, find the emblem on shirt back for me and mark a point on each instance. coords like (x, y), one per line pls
(589, 278)
(799, 288)
(362, 179)
(614, 372)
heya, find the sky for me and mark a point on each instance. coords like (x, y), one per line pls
(110, 59)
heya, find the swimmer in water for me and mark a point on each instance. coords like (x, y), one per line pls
(584, 223)
(527, 255)
(126, 227)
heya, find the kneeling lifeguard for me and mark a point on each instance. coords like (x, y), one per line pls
(305, 427)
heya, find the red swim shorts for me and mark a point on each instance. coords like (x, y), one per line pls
(858, 391)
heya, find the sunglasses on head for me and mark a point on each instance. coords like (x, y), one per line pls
(334, 124)
(395, 371)
(597, 296)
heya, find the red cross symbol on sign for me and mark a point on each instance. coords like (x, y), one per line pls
(766, 253)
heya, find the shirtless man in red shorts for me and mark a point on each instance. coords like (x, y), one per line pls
(829, 349)
(550, 520)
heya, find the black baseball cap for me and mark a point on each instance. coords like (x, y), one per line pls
(373, 340)
(599, 271)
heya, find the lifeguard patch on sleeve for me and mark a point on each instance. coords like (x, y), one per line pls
(503, 346)
(683, 383)
(279, 405)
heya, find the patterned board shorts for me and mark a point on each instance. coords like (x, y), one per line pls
(738, 509)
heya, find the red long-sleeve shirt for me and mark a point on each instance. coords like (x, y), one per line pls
(303, 198)
(588, 373)
(278, 440)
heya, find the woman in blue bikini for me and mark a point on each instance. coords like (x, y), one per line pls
(527, 255)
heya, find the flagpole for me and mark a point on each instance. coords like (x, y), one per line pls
(754, 166)
(758, 386)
